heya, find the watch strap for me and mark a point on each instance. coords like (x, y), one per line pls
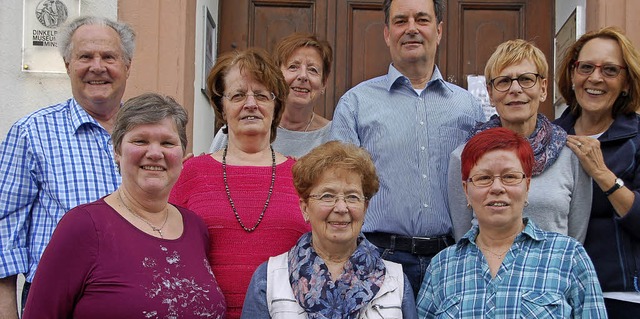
(619, 183)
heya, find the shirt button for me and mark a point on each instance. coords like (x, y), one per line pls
(422, 148)
(425, 205)
(421, 122)
(424, 176)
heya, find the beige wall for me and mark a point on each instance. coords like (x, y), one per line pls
(164, 58)
(621, 13)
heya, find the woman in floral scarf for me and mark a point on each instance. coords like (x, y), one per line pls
(560, 195)
(332, 271)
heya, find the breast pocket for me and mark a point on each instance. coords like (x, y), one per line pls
(286, 308)
(450, 308)
(543, 305)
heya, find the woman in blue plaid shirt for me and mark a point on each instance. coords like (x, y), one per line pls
(507, 267)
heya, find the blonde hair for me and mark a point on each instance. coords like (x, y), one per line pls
(512, 52)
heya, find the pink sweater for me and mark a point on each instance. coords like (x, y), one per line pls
(234, 253)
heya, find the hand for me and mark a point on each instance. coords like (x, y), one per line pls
(186, 157)
(8, 299)
(589, 153)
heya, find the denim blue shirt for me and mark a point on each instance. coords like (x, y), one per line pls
(51, 161)
(543, 275)
(410, 138)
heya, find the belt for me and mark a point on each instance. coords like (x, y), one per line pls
(414, 245)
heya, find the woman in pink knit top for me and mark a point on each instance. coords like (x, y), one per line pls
(245, 191)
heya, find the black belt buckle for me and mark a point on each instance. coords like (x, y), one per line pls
(421, 245)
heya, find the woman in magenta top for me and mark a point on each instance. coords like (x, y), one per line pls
(244, 192)
(131, 254)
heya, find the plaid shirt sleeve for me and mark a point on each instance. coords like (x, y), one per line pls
(585, 296)
(19, 191)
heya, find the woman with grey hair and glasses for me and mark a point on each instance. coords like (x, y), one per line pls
(131, 254)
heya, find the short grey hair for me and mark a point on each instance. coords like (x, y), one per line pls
(149, 108)
(438, 6)
(125, 32)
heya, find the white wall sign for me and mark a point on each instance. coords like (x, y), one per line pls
(41, 21)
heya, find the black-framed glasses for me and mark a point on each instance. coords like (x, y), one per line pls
(241, 97)
(509, 178)
(525, 80)
(330, 200)
(610, 70)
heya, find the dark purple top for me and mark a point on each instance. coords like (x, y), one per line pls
(98, 265)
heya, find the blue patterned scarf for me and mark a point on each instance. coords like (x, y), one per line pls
(547, 140)
(320, 296)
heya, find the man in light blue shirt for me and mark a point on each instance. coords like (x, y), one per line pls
(61, 156)
(410, 120)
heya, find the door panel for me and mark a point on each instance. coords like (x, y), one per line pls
(269, 23)
(473, 30)
(360, 50)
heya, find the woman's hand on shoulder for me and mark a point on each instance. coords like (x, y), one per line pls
(588, 151)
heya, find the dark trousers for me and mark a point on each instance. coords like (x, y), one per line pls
(25, 293)
(618, 309)
(414, 266)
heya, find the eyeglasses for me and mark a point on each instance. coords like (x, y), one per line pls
(525, 80)
(609, 70)
(330, 200)
(241, 97)
(484, 180)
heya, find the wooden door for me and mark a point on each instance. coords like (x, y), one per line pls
(354, 28)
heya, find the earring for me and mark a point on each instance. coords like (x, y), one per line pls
(468, 205)
(624, 93)
(322, 91)
(573, 87)
(526, 203)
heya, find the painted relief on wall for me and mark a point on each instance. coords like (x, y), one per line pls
(41, 21)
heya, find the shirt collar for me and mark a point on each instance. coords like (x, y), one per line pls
(530, 230)
(394, 76)
(80, 117)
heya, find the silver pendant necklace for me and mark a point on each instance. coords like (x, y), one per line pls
(154, 228)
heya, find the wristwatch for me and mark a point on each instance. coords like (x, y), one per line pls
(619, 183)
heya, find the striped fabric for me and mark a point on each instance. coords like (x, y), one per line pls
(51, 161)
(410, 137)
(543, 275)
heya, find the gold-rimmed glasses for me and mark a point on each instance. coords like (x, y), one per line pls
(485, 180)
(330, 200)
(241, 97)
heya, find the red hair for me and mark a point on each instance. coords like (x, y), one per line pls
(495, 139)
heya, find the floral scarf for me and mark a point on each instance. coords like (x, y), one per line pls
(321, 297)
(547, 140)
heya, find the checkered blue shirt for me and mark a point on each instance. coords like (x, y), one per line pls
(51, 161)
(543, 275)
